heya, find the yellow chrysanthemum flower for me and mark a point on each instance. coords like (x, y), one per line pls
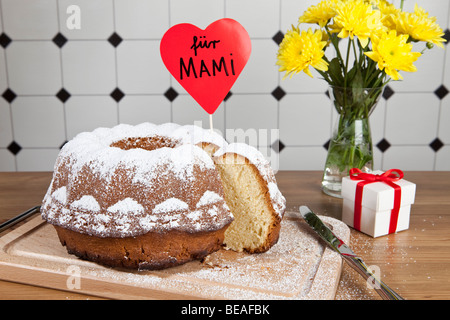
(300, 50)
(357, 18)
(388, 12)
(393, 53)
(320, 13)
(419, 26)
(384, 6)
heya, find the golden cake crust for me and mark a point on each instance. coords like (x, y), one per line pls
(150, 251)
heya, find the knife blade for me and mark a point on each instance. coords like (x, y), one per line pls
(347, 254)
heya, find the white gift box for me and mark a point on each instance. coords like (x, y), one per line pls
(376, 205)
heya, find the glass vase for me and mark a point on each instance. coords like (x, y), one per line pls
(351, 141)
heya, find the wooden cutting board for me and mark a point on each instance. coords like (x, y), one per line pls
(299, 266)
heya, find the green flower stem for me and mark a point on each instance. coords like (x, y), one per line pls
(346, 63)
(351, 144)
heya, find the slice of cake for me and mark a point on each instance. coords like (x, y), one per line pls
(252, 194)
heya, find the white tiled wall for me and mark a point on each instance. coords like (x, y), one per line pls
(56, 82)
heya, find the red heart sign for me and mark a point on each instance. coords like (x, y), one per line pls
(206, 62)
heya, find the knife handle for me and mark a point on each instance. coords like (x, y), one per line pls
(19, 218)
(383, 290)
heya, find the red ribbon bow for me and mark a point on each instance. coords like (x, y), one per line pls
(387, 177)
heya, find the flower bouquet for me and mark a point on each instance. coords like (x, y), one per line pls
(379, 46)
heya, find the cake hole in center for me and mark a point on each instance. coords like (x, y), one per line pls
(146, 143)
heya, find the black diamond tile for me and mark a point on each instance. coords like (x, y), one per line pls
(14, 148)
(446, 36)
(229, 94)
(171, 94)
(278, 37)
(441, 92)
(278, 93)
(9, 95)
(117, 94)
(59, 40)
(326, 145)
(388, 92)
(436, 144)
(4, 40)
(278, 146)
(63, 95)
(115, 40)
(383, 145)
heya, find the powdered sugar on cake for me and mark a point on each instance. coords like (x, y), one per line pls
(118, 205)
(170, 205)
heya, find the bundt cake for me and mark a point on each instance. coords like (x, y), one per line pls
(151, 196)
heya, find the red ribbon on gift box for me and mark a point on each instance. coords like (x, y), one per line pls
(387, 177)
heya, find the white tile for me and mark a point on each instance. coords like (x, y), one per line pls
(376, 121)
(38, 122)
(138, 109)
(412, 118)
(185, 110)
(305, 119)
(443, 159)
(252, 113)
(272, 156)
(141, 19)
(303, 158)
(96, 19)
(446, 78)
(377, 158)
(429, 67)
(251, 13)
(3, 79)
(7, 160)
(34, 67)
(302, 83)
(291, 10)
(5, 124)
(444, 120)
(140, 68)
(28, 19)
(197, 12)
(260, 75)
(89, 67)
(409, 158)
(86, 113)
(36, 159)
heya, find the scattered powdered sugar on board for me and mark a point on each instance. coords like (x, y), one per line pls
(297, 267)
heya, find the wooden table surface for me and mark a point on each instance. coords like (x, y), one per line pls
(415, 262)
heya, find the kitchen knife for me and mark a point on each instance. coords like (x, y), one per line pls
(18, 218)
(349, 256)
